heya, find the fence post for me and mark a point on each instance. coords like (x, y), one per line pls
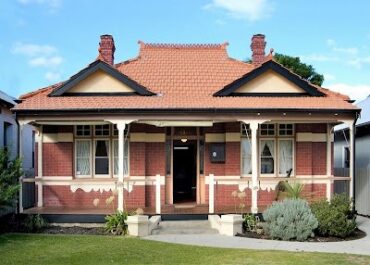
(21, 194)
(211, 193)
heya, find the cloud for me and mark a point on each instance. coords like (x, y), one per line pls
(335, 48)
(356, 92)
(315, 57)
(46, 61)
(329, 77)
(45, 56)
(359, 61)
(52, 76)
(250, 10)
(32, 50)
(51, 4)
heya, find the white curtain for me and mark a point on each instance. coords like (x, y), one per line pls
(115, 157)
(247, 157)
(270, 146)
(83, 157)
(285, 156)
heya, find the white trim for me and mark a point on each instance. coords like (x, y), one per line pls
(233, 137)
(328, 149)
(214, 137)
(148, 137)
(58, 137)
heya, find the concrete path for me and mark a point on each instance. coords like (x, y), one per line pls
(184, 228)
(360, 246)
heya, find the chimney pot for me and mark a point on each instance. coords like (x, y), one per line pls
(107, 49)
(258, 46)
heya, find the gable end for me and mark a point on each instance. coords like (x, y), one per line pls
(307, 88)
(93, 68)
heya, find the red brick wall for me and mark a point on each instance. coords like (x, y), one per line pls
(137, 159)
(155, 159)
(223, 197)
(311, 156)
(63, 196)
(303, 158)
(232, 165)
(319, 158)
(150, 195)
(57, 159)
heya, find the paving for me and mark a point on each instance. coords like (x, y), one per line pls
(359, 246)
(184, 228)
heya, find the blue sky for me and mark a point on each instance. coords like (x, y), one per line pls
(46, 41)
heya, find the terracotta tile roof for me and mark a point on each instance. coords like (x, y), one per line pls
(184, 76)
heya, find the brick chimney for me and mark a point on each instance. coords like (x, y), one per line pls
(106, 49)
(258, 49)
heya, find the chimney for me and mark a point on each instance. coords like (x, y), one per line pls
(258, 49)
(106, 49)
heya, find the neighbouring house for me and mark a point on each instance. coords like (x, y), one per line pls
(178, 126)
(362, 158)
(9, 135)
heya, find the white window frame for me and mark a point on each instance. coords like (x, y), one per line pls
(102, 136)
(267, 135)
(75, 153)
(83, 136)
(293, 155)
(260, 158)
(109, 157)
(278, 130)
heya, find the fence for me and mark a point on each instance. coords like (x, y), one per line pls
(362, 187)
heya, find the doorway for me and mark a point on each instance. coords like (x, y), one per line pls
(184, 171)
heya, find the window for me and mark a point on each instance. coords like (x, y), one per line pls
(125, 158)
(246, 156)
(267, 129)
(285, 157)
(102, 130)
(346, 157)
(96, 154)
(83, 158)
(101, 157)
(267, 151)
(8, 135)
(83, 130)
(246, 131)
(285, 129)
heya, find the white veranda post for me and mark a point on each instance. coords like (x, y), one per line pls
(351, 158)
(254, 128)
(121, 151)
(39, 167)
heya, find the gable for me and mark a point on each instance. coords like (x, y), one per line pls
(99, 78)
(269, 82)
(270, 79)
(100, 82)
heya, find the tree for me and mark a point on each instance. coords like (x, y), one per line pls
(306, 71)
(10, 171)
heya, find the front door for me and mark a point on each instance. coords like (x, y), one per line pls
(184, 171)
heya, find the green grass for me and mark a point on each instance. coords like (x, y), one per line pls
(87, 250)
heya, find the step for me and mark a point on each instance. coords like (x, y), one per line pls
(184, 217)
(184, 227)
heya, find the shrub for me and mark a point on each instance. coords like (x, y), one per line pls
(34, 223)
(116, 223)
(10, 172)
(335, 218)
(289, 190)
(289, 219)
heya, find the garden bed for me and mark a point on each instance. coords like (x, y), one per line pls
(357, 234)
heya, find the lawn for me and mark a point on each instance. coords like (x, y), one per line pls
(87, 250)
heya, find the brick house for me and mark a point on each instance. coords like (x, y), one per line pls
(181, 124)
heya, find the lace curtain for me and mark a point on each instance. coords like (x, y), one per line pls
(247, 157)
(285, 156)
(83, 158)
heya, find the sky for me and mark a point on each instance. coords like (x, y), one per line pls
(43, 42)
